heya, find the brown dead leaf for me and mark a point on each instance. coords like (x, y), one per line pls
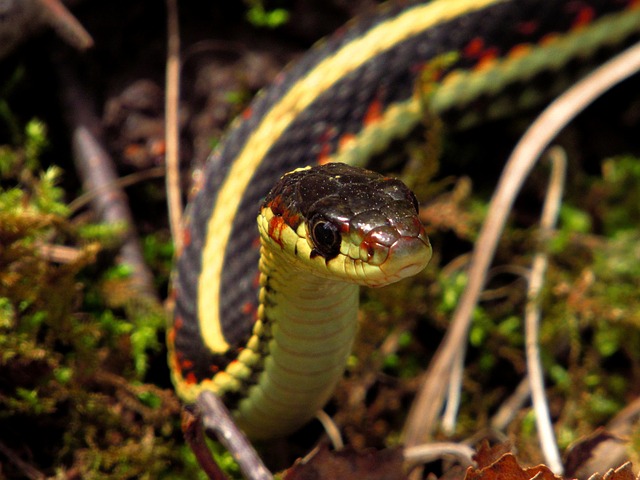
(349, 464)
(582, 451)
(507, 468)
(623, 472)
(487, 454)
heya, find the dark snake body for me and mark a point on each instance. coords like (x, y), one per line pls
(482, 35)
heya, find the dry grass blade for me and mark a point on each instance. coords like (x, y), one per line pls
(121, 182)
(434, 451)
(550, 213)
(510, 408)
(422, 418)
(27, 470)
(172, 136)
(450, 415)
(331, 429)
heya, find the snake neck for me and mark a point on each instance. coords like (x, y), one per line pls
(290, 296)
(307, 325)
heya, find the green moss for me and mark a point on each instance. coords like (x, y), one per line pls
(71, 366)
(258, 16)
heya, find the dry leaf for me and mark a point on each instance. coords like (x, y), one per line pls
(349, 464)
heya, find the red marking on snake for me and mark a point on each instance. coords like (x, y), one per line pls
(326, 149)
(584, 17)
(549, 39)
(346, 139)
(186, 237)
(519, 51)
(528, 27)
(374, 112)
(474, 48)
(276, 225)
(248, 308)
(324, 156)
(477, 49)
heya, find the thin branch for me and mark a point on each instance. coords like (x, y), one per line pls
(21, 18)
(508, 410)
(122, 182)
(194, 435)
(414, 456)
(172, 130)
(27, 470)
(66, 25)
(550, 212)
(217, 419)
(454, 392)
(331, 429)
(58, 253)
(422, 418)
(98, 173)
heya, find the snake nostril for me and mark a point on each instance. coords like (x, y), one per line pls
(370, 252)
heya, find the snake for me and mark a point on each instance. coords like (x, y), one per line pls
(266, 310)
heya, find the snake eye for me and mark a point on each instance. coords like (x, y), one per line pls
(326, 238)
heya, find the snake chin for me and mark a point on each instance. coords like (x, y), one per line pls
(407, 257)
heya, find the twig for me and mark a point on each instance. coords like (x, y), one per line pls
(420, 454)
(122, 182)
(65, 24)
(548, 221)
(194, 435)
(27, 470)
(58, 253)
(511, 406)
(172, 134)
(217, 419)
(331, 429)
(422, 418)
(455, 388)
(98, 173)
(21, 18)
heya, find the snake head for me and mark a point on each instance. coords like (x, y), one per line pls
(346, 222)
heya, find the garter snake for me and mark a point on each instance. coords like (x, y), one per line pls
(345, 101)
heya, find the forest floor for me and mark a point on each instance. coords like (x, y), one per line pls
(85, 390)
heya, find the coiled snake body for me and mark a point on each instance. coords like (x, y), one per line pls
(271, 344)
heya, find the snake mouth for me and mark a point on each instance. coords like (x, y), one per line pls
(407, 257)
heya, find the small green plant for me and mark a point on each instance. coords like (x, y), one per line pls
(258, 16)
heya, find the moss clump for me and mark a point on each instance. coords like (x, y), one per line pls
(72, 397)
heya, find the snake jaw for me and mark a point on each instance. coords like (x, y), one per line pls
(407, 257)
(397, 252)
